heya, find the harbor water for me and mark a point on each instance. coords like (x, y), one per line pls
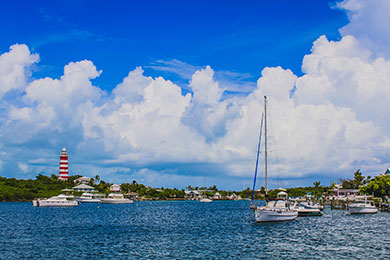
(185, 230)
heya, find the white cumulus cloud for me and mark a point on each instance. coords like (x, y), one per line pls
(330, 121)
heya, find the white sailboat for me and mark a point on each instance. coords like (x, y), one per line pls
(275, 210)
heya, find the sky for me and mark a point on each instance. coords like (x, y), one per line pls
(170, 93)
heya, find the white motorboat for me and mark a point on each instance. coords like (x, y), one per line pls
(362, 207)
(115, 198)
(89, 197)
(56, 201)
(276, 210)
(311, 205)
(305, 210)
(205, 200)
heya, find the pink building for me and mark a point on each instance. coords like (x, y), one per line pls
(345, 192)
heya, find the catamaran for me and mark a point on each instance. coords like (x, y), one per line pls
(275, 210)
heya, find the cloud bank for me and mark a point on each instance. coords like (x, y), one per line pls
(330, 121)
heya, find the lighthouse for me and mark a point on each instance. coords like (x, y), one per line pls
(64, 165)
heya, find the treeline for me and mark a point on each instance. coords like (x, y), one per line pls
(12, 189)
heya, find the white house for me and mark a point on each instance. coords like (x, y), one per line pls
(192, 194)
(83, 180)
(115, 188)
(217, 196)
(83, 188)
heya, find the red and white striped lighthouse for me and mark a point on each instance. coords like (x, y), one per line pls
(64, 165)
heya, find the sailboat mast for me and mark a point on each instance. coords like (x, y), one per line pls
(265, 145)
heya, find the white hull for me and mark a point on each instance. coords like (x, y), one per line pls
(88, 200)
(52, 203)
(362, 210)
(115, 201)
(205, 200)
(270, 215)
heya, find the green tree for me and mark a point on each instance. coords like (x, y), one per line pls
(358, 179)
(317, 191)
(97, 179)
(379, 186)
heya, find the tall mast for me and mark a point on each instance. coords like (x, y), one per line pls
(265, 145)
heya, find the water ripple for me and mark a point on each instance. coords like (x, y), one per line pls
(185, 230)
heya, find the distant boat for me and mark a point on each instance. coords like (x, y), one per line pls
(56, 201)
(275, 210)
(205, 200)
(114, 198)
(362, 207)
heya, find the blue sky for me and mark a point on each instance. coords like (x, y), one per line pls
(117, 36)
(168, 92)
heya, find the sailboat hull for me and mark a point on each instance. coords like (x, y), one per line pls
(264, 215)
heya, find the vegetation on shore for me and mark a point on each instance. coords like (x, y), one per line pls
(43, 186)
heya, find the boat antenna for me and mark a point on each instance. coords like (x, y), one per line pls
(257, 159)
(265, 147)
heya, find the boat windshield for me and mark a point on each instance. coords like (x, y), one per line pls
(280, 204)
(271, 204)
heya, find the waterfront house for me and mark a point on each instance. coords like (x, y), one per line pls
(192, 194)
(217, 196)
(83, 188)
(233, 197)
(132, 195)
(115, 188)
(343, 194)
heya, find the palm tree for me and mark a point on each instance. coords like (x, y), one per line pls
(97, 179)
(316, 188)
(358, 179)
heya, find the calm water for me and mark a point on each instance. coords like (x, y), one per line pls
(185, 230)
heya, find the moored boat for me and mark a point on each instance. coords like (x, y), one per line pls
(305, 211)
(362, 207)
(56, 201)
(205, 200)
(275, 210)
(311, 205)
(90, 198)
(115, 198)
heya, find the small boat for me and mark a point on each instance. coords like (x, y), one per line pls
(311, 205)
(362, 207)
(305, 210)
(205, 200)
(56, 201)
(89, 197)
(275, 210)
(115, 198)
